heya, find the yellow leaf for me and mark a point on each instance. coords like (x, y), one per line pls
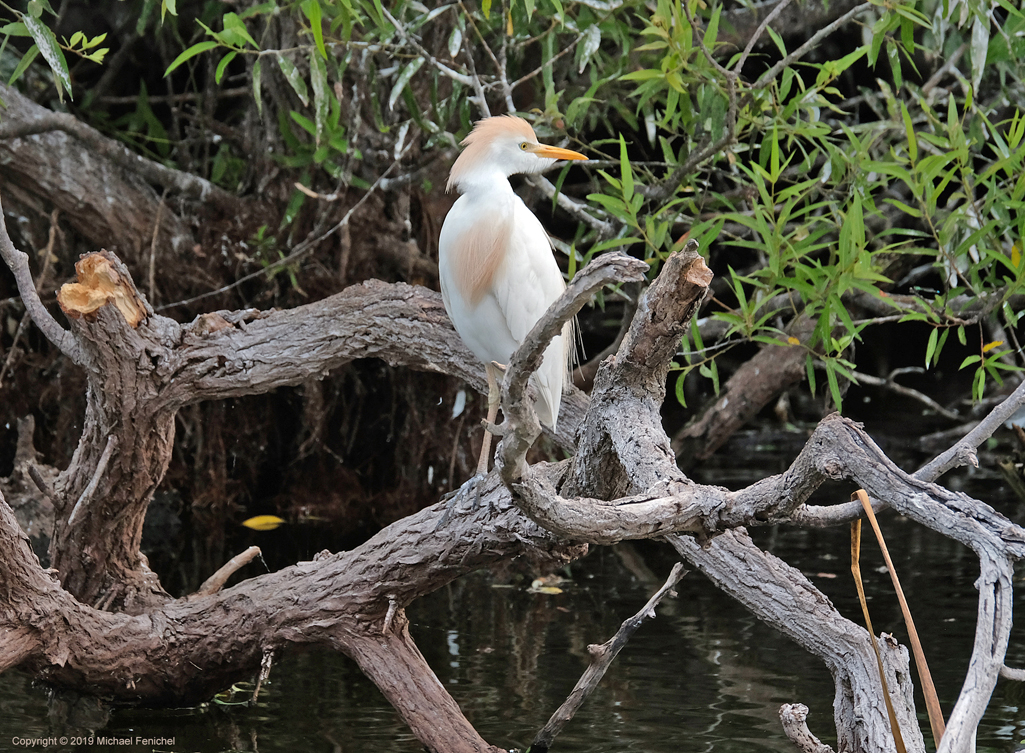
(546, 590)
(793, 340)
(263, 522)
(989, 346)
(1016, 254)
(509, 24)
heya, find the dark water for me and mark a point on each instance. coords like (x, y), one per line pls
(703, 676)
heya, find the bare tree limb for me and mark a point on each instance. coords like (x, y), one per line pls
(601, 659)
(18, 263)
(216, 582)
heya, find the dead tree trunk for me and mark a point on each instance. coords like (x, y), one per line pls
(622, 483)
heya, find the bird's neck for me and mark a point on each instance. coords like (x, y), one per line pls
(482, 179)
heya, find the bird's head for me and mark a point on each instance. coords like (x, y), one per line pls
(500, 147)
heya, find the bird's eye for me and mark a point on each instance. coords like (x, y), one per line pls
(524, 145)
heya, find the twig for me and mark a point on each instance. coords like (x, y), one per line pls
(944, 69)
(393, 607)
(462, 78)
(90, 489)
(601, 659)
(153, 245)
(239, 91)
(959, 454)
(51, 329)
(813, 40)
(265, 664)
(519, 412)
(963, 452)
(42, 484)
(582, 213)
(890, 384)
(750, 46)
(216, 582)
(480, 97)
(23, 322)
(1012, 673)
(794, 716)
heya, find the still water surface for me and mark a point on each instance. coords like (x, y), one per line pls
(703, 676)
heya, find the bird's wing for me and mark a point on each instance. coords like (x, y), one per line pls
(527, 284)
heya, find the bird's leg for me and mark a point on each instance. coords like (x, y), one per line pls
(474, 483)
(494, 400)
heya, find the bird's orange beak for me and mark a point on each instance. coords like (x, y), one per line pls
(556, 152)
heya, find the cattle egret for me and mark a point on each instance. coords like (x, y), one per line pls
(498, 275)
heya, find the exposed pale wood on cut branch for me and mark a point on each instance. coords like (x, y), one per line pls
(100, 283)
(602, 657)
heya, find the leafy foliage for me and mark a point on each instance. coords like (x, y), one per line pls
(835, 184)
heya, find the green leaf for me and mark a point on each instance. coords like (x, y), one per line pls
(168, 6)
(312, 11)
(834, 385)
(235, 29)
(400, 83)
(16, 29)
(294, 79)
(712, 32)
(486, 8)
(909, 130)
(980, 46)
(930, 349)
(26, 61)
(256, 87)
(197, 49)
(318, 77)
(627, 173)
(51, 51)
(588, 46)
(221, 66)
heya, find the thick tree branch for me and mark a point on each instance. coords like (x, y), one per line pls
(521, 424)
(338, 600)
(35, 120)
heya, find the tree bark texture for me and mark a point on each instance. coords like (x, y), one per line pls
(110, 204)
(108, 626)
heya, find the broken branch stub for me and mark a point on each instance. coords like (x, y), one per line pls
(101, 282)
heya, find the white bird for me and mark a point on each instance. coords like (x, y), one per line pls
(498, 275)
